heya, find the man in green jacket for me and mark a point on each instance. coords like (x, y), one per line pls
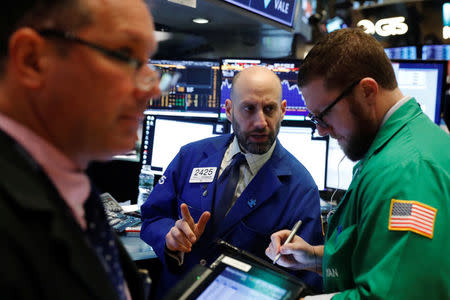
(388, 238)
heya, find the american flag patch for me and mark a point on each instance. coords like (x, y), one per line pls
(412, 216)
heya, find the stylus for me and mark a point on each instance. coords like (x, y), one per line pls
(288, 240)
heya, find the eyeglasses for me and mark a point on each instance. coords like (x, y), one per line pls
(318, 119)
(144, 77)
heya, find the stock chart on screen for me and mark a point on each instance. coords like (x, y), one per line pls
(287, 70)
(195, 93)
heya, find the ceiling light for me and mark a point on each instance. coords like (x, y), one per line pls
(162, 36)
(200, 21)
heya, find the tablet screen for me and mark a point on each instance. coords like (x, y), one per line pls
(238, 285)
(236, 278)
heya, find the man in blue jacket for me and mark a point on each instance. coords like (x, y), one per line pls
(186, 211)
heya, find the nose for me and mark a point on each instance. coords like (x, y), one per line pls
(147, 85)
(259, 119)
(323, 131)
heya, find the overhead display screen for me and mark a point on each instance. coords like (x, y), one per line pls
(281, 11)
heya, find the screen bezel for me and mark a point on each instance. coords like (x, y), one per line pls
(442, 74)
(292, 285)
(315, 136)
(242, 9)
(201, 120)
(295, 61)
(194, 114)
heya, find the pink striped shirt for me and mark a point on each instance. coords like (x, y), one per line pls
(71, 182)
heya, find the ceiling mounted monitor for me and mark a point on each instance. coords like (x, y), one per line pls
(279, 11)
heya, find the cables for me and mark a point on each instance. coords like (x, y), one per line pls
(338, 183)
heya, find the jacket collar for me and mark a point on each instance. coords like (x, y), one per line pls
(217, 149)
(404, 114)
(399, 119)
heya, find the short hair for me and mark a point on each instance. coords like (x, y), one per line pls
(67, 15)
(345, 56)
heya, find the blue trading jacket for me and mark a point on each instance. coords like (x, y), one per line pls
(280, 194)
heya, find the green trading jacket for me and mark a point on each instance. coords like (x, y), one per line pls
(363, 259)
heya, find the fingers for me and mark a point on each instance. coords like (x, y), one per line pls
(277, 239)
(201, 224)
(270, 253)
(297, 244)
(186, 215)
(176, 240)
(186, 232)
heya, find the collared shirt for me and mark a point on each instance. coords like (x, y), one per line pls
(71, 182)
(247, 171)
(394, 108)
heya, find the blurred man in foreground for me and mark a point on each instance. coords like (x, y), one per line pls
(73, 86)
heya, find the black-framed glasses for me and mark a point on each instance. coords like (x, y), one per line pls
(145, 78)
(318, 119)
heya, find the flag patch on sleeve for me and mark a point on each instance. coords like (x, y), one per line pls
(412, 216)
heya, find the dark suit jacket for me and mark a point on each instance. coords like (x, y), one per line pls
(44, 252)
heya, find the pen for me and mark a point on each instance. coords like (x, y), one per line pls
(288, 240)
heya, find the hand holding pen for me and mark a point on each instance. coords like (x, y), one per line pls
(289, 250)
(288, 240)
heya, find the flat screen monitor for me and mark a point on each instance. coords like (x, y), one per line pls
(425, 81)
(280, 11)
(163, 136)
(407, 52)
(334, 24)
(339, 167)
(195, 94)
(441, 52)
(287, 70)
(310, 150)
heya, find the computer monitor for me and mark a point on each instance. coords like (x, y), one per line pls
(163, 136)
(339, 167)
(334, 24)
(310, 150)
(441, 52)
(425, 81)
(406, 52)
(281, 12)
(287, 70)
(195, 94)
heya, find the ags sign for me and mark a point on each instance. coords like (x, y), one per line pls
(385, 27)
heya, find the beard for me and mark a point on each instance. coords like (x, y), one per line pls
(252, 147)
(362, 138)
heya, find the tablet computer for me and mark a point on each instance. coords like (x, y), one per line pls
(237, 275)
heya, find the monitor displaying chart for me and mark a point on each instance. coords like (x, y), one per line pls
(287, 70)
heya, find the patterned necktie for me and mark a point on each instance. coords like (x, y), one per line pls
(101, 237)
(227, 183)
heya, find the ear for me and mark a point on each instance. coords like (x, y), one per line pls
(283, 105)
(228, 108)
(370, 89)
(26, 52)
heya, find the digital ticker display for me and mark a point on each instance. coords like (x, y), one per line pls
(287, 71)
(195, 93)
